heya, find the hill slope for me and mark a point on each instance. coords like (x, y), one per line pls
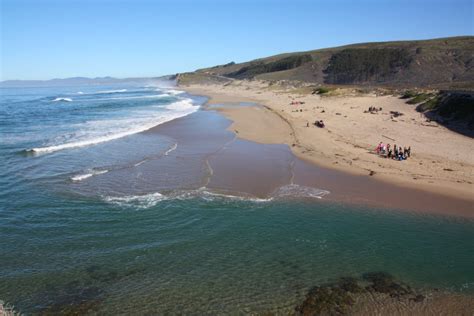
(444, 63)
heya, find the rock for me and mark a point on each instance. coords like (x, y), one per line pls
(325, 300)
(418, 299)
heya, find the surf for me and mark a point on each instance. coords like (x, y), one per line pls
(137, 124)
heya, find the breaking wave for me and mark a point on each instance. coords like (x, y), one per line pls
(62, 100)
(96, 132)
(84, 176)
(110, 91)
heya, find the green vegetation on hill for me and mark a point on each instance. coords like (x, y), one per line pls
(445, 63)
(261, 67)
(356, 65)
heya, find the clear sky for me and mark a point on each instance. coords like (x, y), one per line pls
(43, 39)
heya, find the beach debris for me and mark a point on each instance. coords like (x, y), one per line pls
(396, 114)
(373, 110)
(371, 173)
(389, 138)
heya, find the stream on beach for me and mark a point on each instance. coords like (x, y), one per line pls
(103, 212)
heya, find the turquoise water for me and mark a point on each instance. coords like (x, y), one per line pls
(101, 244)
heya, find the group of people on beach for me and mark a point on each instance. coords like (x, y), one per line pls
(394, 152)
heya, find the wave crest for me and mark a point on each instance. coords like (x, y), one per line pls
(62, 100)
(178, 109)
(80, 177)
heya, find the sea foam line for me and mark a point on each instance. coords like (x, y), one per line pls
(152, 199)
(173, 148)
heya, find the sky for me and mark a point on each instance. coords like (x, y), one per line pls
(44, 39)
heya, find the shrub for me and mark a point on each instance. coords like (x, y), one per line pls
(421, 97)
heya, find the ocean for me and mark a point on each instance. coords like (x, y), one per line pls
(102, 211)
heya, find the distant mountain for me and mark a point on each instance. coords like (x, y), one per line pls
(443, 63)
(73, 81)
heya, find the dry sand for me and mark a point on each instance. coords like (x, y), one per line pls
(442, 160)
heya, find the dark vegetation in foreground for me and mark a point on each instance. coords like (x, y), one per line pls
(453, 109)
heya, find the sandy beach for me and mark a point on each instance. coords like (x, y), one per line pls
(442, 161)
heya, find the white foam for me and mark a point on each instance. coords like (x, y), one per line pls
(298, 191)
(80, 92)
(62, 100)
(181, 105)
(157, 96)
(84, 176)
(140, 163)
(111, 91)
(122, 127)
(173, 148)
(173, 92)
(139, 201)
(152, 199)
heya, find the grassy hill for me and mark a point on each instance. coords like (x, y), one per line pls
(438, 63)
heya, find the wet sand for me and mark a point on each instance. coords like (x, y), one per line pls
(240, 167)
(441, 162)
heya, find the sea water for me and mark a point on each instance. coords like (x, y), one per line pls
(85, 225)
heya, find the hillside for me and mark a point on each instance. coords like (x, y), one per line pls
(437, 63)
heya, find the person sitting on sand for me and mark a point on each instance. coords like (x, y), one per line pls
(400, 154)
(389, 154)
(320, 124)
(378, 148)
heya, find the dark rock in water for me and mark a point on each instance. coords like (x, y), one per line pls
(350, 284)
(73, 299)
(384, 283)
(338, 298)
(98, 273)
(325, 300)
(418, 299)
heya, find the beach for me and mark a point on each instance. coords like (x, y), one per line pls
(441, 163)
(191, 216)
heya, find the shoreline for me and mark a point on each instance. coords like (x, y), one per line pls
(263, 123)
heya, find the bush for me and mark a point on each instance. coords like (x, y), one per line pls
(322, 90)
(428, 105)
(421, 97)
(408, 94)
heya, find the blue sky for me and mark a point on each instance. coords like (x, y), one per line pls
(43, 39)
